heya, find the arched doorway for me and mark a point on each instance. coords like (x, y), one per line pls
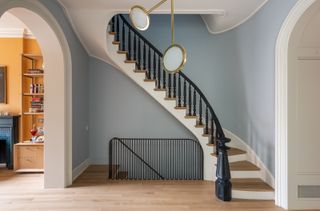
(56, 53)
(297, 175)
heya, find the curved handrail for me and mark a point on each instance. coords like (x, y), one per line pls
(214, 116)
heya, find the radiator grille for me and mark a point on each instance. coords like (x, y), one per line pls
(309, 191)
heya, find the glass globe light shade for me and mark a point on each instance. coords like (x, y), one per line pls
(139, 17)
(174, 58)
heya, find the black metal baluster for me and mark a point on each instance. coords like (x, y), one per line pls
(194, 103)
(159, 73)
(144, 56)
(164, 77)
(123, 48)
(174, 85)
(118, 29)
(185, 93)
(212, 132)
(190, 101)
(112, 24)
(200, 111)
(154, 66)
(139, 54)
(149, 63)
(110, 159)
(179, 91)
(206, 129)
(169, 85)
(129, 46)
(135, 48)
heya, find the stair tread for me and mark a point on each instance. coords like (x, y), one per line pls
(139, 71)
(243, 166)
(115, 42)
(130, 61)
(170, 98)
(211, 145)
(112, 33)
(161, 89)
(149, 80)
(199, 126)
(250, 184)
(180, 107)
(232, 151)
(190, 117)
(122, 52)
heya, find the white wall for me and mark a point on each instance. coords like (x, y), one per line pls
(304, 110)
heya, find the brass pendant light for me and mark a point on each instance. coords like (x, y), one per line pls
(175, 55)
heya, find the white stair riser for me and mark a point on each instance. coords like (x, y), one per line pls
(253, 195)
(236, 158)
(245, 174)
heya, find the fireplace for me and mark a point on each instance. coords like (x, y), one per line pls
(9, 133)
(3, 152)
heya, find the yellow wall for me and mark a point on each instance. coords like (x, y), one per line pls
(11, 50)
(10, 56)
(31, 46)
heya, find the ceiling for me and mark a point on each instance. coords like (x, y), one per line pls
(11, 26)
(90, 18)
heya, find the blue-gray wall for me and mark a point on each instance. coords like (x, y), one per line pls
(235, 70)
(80, 86)
(120, 108)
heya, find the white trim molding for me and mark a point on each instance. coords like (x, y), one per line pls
(209, 20)
(76, 172)
(281, 102)
(15, 33)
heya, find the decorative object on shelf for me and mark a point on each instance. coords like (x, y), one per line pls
(175, 56)
(34, 132)
(3, 84)
(39, 139)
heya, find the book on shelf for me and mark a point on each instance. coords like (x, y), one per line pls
(36, 105)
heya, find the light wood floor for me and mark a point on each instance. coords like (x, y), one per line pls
(91, 191)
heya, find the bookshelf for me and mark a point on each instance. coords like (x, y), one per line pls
(32, 94)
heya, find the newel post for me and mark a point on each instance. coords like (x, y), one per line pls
(223, 184)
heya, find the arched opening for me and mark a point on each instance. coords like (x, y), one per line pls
(297, 61)
(56, 54)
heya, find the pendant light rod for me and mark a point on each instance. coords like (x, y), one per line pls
(156, 6)
(172, 22)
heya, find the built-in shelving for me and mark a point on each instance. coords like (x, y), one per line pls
(33, 113)
(33, 94)
(33, 75)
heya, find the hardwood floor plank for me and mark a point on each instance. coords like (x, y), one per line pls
(92, 191)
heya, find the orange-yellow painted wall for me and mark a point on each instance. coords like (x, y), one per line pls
(10, 56)
(11, 50)
(31, 46)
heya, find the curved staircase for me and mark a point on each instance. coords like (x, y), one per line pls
(136, 57)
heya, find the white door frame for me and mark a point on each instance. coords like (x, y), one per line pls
(281, 101)
(58, 107)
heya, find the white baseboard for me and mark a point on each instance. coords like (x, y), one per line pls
(251, 156)
(76, 172)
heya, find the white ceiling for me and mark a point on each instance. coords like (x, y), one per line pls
(11, 26)
(90, 17)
